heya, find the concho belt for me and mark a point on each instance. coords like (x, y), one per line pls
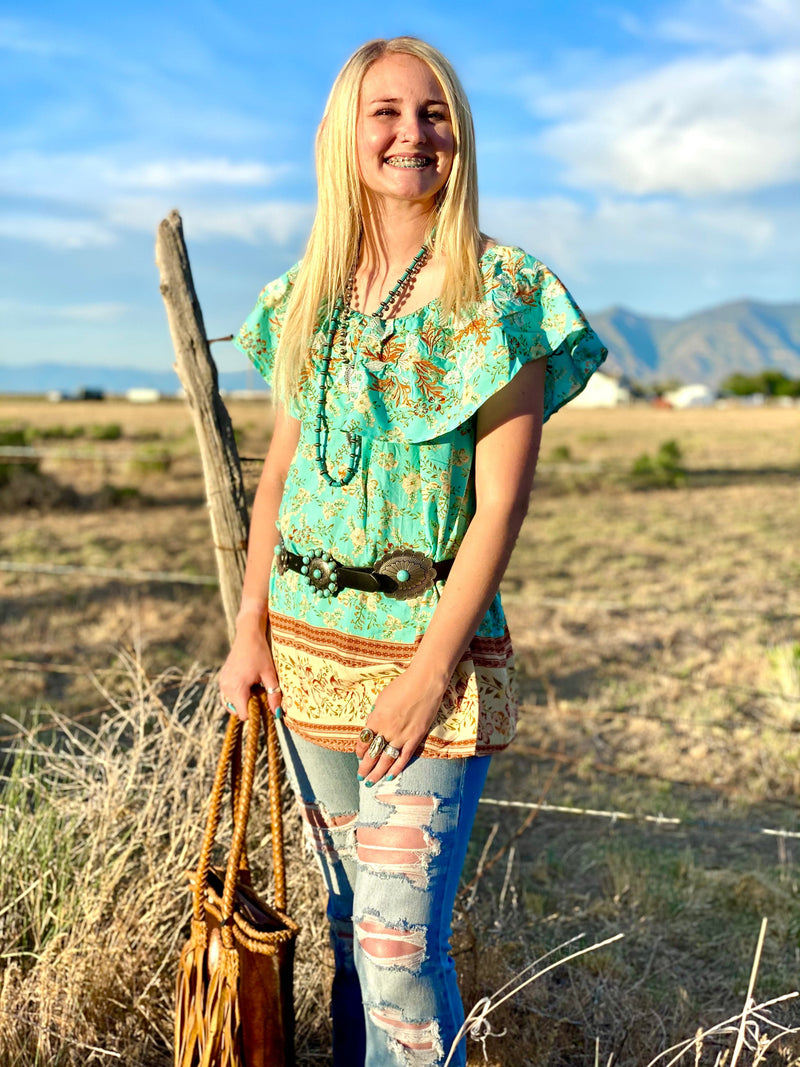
(401, 574)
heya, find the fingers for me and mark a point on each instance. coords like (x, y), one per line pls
(234, 696)
(234, 699)
(382, 760)
(274, 695)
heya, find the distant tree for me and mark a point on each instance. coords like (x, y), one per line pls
(740, 385)
(767, 383)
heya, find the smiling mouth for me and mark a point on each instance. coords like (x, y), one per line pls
(409, 162)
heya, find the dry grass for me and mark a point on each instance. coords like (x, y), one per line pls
(656, 635)
(98, 829)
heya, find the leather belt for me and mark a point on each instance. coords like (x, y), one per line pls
(401, 574)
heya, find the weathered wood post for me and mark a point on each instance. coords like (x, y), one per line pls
(198, 375)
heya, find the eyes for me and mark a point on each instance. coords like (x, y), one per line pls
(428, 114)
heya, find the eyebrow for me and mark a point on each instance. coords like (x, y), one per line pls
(397, 100)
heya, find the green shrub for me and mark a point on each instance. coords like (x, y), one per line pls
(150, 460)
(55, 433)
(15, 438)
(110, 431)
(665, 471)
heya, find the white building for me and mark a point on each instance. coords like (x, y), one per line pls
(602, 391)
(691, 396)
(143, 395)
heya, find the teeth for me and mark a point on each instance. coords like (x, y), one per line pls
(408, 162)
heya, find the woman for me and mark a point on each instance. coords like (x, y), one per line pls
(413, 362)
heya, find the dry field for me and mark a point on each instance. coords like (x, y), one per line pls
(658, 647)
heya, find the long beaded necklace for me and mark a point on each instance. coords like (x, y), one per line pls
(339, 320)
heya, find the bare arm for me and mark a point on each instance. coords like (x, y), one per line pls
(508, 435)
(250, 661)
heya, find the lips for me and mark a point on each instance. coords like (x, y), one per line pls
(409, 162)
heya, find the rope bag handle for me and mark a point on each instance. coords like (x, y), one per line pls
(242, 776)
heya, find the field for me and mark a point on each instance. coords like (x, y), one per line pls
(654, 606)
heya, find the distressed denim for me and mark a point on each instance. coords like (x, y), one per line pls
(391, 856)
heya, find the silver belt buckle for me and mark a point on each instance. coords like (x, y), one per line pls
(281, 557)
(412, 571)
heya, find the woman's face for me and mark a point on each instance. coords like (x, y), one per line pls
(404, 134)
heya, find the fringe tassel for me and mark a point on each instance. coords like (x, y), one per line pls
(207, 1016)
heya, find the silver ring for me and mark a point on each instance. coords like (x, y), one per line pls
(390, 750)
(377, 746)
(366, 736)
(274, 689)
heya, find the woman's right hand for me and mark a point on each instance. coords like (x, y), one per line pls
(249, 664)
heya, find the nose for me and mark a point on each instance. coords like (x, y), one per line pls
(412, 128)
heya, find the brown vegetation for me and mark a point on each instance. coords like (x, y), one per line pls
(656, 635)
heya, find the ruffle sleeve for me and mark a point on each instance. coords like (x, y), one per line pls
(259, 336)
(432, 376)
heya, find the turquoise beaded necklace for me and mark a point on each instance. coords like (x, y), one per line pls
(339, 320)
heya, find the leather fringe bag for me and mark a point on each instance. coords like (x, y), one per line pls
(234, 1004)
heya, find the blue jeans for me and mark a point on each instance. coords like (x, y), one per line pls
(391, 856)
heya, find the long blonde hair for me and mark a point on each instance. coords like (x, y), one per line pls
(333, 244)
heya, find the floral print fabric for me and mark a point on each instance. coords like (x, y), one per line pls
(412, 393)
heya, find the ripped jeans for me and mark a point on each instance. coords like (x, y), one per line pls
(391, 856)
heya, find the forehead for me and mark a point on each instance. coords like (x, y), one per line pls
(397, 75)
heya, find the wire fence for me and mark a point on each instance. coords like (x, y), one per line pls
(624, 607)
(616, 815)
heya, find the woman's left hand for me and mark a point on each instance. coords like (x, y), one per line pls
(403, 714)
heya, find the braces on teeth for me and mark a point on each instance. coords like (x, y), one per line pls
(413, 163)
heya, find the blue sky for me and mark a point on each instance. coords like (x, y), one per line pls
(648, 151)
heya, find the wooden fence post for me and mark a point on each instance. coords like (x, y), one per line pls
(198, 375)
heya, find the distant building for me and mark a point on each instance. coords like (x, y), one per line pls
(603, 391)
(143, 396)
(691, 396)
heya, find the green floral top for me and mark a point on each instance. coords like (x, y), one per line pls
(412, 393)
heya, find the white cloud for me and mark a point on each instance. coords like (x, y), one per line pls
(99, 312)
(178, 173)
(27, 39)
(90, 199)
(718, 24)
(678, 254)
(278, 221)
(693, 126)
(56, 232)
(76, 177)
(89, 312)
(730, 23)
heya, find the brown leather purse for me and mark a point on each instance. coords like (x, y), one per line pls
(234, 1003)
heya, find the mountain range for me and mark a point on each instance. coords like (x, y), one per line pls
(744, 336)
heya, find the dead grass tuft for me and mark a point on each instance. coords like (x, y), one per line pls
(98, 829)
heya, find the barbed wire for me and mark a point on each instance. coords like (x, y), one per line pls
(547, 601)
(170, 577)
(614, 815)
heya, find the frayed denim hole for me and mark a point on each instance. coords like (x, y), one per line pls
(400, 946)
(415, 1044)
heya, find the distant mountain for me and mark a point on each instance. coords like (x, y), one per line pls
(69, 378)
(707, 346)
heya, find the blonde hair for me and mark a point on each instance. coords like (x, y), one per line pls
(333, 244)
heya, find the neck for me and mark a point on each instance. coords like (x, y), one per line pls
(393, 233)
